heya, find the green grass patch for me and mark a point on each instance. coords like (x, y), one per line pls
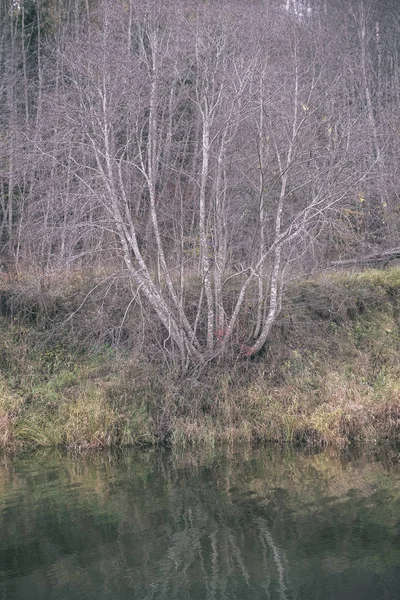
(330, 374)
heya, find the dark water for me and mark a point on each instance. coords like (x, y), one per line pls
(246, 525)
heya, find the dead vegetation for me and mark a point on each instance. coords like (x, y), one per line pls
(329, 374)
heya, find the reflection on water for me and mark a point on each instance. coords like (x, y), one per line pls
(247, 524)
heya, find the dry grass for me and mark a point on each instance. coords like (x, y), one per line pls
(10, 406)
(330, 375)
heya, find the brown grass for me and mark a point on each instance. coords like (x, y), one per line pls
(329, 375)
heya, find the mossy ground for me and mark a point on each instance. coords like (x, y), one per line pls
(330, 374)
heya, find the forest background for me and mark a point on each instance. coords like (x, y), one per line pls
(170, 176)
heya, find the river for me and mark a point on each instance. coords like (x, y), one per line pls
(265, 523)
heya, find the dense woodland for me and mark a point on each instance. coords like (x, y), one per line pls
(198, 155)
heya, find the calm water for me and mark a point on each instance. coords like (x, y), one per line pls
(250, 524)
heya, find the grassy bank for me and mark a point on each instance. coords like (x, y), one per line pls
(330, 374)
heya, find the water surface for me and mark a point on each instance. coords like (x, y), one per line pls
(246, 524)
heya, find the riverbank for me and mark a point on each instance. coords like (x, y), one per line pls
(330, 374)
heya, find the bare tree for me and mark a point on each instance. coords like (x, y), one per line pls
(206, 153)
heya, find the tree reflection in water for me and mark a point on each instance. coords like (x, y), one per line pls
(263, 523)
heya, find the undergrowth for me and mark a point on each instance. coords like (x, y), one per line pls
(329, 374)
